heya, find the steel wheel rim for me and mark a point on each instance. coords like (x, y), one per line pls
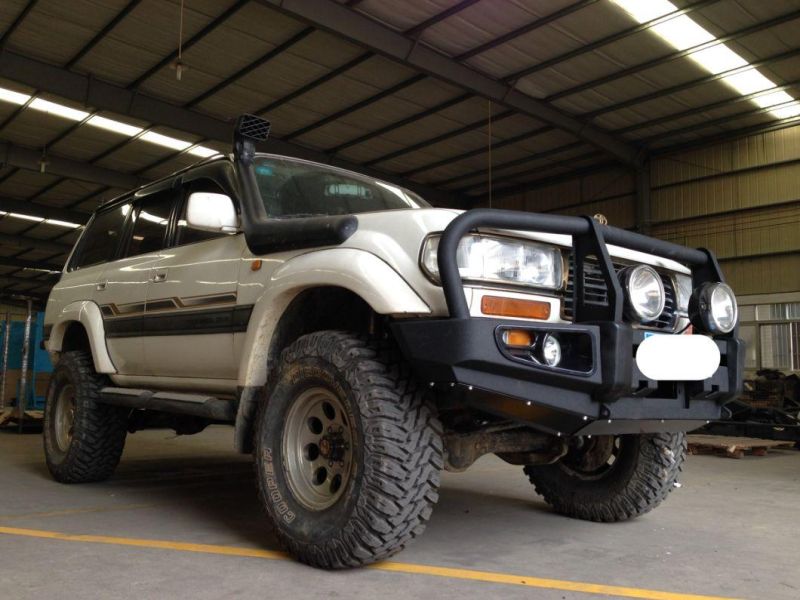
(317, 448)
(64, 416)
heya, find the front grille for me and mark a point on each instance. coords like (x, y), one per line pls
(596, 292)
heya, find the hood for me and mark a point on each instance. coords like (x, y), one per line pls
(396, 236)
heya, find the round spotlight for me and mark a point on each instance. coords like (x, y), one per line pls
(644, 293)
(551, 350)
(713, 308)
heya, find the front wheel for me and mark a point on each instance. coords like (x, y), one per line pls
(612, 478)
(348, 453)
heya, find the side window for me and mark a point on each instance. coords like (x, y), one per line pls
(151, 220)
(99, 242)
(187, 234)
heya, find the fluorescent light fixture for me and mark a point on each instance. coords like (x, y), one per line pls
(164, 140)
(25, 217)
(56, 222)
(13, 97)
(682, 32)
(62, 223)
(73, 114)
(788, 111)
(114, 125)
(52, 108)
(202, 151)
(54, 272)
(772, 99)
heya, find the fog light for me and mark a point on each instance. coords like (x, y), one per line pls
(549, 351)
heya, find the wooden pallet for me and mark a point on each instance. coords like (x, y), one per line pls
(732, 447)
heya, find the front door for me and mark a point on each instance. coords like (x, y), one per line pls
(191, 312)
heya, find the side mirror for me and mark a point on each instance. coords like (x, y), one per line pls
(212, 212)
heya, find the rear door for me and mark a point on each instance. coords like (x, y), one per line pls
(191, 303)
(123, 293)
(90, 266)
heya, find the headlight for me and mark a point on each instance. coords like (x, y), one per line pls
(683, 289)
(499, 260)
(644, 293)
(713, 308)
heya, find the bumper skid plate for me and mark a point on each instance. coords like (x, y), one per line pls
(613, 397)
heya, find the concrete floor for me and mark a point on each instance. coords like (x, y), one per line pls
(730, 531)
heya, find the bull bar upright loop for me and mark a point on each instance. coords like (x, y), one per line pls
(702, 262)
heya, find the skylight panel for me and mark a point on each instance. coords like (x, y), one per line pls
(114, 125)
(165, 140)
(683, 33)
(59, 110)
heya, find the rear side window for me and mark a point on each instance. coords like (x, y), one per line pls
(151, 221)
(99, 242)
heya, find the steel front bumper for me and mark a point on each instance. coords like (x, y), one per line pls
(464, 359)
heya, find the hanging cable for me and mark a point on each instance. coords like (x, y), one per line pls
(178, 62)
(490, 153)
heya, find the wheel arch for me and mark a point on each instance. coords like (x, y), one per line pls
(298, 301)
(79, 326)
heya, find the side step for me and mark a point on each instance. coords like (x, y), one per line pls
(197, 405)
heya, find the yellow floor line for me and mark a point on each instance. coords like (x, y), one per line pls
(395, 567)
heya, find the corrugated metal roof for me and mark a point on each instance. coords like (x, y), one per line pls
(325, 92)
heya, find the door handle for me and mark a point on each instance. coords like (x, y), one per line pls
(101, 286)
(159, 276)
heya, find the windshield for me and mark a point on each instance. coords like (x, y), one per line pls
(296, 188)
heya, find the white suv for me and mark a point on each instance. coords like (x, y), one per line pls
(359, 341)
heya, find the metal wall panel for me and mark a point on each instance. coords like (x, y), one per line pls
(764, 274)
(741, 199)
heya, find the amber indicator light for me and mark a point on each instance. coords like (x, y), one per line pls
(255, 265)
(513, 307)
(517, 337)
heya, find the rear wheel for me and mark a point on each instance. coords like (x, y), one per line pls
(612, 478)
(83, 439)
(348, 453)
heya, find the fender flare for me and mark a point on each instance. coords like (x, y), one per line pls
(358, 271)
(88, 314)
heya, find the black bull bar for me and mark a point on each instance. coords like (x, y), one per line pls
(616, 397)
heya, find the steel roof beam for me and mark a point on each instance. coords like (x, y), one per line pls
(469, 53)
(9, 280)
(527, 28)
(250, 67)
(197, 37)
(26, 158)
(445, 136)
(627, 104)
(22, 242)
(40, 210)
(17, 22)
(359, 29)
(414, 32)
(106, 96)
(763, 62)
(650, 64)
(615, 37)
(11, 261)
